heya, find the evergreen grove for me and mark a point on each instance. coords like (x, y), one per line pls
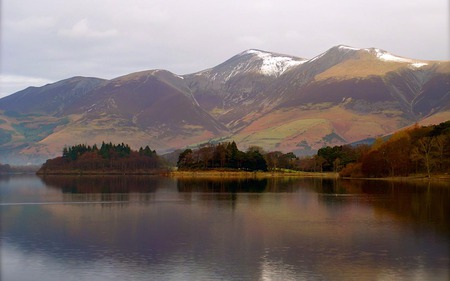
(116, 158)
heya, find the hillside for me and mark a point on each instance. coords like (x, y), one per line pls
(276, 101)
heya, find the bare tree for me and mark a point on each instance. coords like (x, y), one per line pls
(426, 150)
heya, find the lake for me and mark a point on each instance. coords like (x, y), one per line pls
(156, 228)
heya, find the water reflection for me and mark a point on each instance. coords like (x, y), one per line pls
(106, 184)
(426, 204)
(243, 185)
(140, 228)
(108, 189)
(222, 185)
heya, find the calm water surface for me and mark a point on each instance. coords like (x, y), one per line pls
(153, 228)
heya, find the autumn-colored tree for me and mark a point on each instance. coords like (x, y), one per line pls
(374, 164)
(319, 161)
(396, 152)
(220, 156)
(427, 147)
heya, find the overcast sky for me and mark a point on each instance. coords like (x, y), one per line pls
(44, 41)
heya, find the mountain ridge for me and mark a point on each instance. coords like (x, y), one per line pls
(276, 101)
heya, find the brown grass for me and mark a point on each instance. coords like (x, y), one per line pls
(246, 174)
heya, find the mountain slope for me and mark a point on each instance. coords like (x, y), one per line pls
(276, 101)
(152, 108)
(51, 99)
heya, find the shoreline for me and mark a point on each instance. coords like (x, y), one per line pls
(411, 178)
(241, 174)
(246, 174)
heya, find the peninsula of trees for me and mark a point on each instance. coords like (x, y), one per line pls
(416, 150)
(108, 159)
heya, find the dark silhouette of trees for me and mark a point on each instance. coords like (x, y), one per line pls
(278, 160)
(337, 157)
(254, 161)
(222, 156)
(110, 158)
(5, 168)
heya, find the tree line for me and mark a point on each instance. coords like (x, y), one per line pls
(108, 158)
(227, 156)
(222, 156)
(416, 150)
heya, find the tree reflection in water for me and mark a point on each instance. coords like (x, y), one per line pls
(422, 202)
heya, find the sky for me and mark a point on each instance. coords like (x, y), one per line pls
(44, 41)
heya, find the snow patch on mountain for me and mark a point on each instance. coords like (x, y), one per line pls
(385, 56)
(275, 65)
(316, 57)
(389, 57)
(348, 48)
(419, 64)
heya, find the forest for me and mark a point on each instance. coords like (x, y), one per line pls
(109, 158)
(416, 150)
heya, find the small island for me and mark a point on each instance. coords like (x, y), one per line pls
(108, 159)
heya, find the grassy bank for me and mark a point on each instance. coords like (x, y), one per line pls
(246, 174)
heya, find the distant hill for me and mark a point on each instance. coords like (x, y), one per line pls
(276, 101)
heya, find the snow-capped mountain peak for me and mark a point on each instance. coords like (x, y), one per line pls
(274, 64)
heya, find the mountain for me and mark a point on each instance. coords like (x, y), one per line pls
(152, 108)
(51, 99)
(342, 95)
(232, 89)
(276, 101)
